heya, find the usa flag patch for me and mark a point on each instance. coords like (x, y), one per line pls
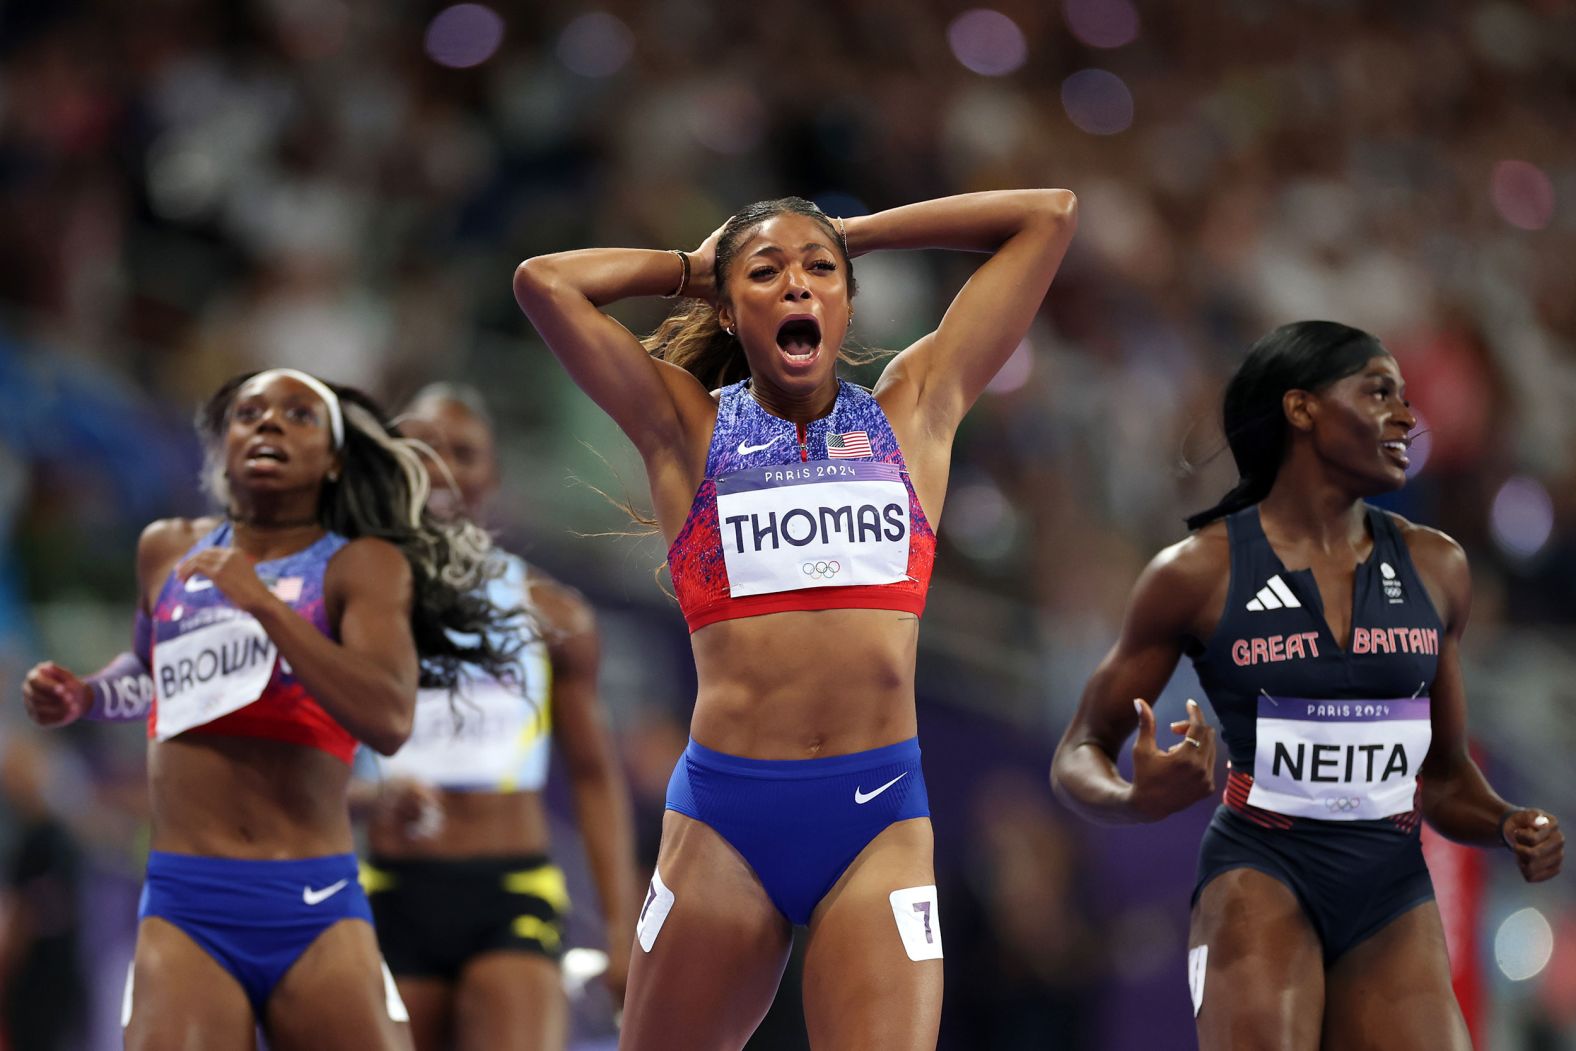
(848, 445)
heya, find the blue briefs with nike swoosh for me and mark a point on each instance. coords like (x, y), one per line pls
(255, 918)
(800, 822)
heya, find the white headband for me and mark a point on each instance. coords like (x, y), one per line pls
(336, 416)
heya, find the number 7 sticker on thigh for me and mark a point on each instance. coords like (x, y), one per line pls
(918, 921)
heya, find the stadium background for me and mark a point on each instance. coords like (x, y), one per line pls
(189, 189)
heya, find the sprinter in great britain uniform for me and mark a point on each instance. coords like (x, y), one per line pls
(799, 513)
(470, 909)
(274, 639)
(1339, 694)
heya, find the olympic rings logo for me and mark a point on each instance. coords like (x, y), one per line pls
(1343, 803)
(821, 570)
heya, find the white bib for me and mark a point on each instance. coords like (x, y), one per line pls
(826, 523)
(1339, 760)
(489, 737)
(211, 670)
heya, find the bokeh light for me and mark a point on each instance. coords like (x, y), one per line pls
(983, 523)
(1422, 445)
(596, 44)
(1522, 517)
(1015, 373)
(728, 118)
(988, 42)
(464, 35)
(1098, 102)
(1523, 944)
(1102, 23)
(1522, 194)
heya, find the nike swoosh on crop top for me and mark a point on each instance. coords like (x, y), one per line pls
(802, 516)
(216, 671)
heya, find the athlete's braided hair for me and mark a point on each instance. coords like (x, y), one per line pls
(382, 491)
(692, 338)
(1304, 355)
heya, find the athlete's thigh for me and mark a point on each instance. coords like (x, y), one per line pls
(872, 969)
(511, 1001)
(181, 999)
(715, 958)
(337, 996)
(1263, 973)
(1392, 990)
(430, 1004)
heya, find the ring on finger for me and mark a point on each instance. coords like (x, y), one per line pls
(1193, 741)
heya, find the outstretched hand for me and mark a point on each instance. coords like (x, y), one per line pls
(1167, 781)
(1535, 838)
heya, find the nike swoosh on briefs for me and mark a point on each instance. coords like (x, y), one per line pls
(745, 450)
(314, 897)
(865, 797)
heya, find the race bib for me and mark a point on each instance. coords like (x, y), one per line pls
(210, 670)
(483, 738)
(826, 523)
(1339, 760)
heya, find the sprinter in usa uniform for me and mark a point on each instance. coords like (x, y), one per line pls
(1325, 633)
(800, 511)
(270, 640)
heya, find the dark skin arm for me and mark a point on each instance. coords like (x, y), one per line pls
(601, 799)
(367, 680)
(1457, 799)
(1178, 595)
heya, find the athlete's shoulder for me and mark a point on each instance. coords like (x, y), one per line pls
(1439, 560)
(1428, 546)
(167, 537)
(1196, 560)
(370, 558)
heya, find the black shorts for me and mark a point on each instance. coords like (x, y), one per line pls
(435, 915)
(1351, 878)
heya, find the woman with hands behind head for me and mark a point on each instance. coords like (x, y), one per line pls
(800, 512)
(1326, 633)
(270, 640)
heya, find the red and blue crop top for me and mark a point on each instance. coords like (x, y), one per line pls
(802, 516)
(216, 671)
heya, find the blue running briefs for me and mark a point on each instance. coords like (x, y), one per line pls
(800, 822)
(255, 918)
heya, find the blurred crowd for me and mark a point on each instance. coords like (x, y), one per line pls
(190, 189)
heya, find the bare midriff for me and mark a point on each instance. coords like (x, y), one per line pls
(475, 825)
(247, 798)
(805, 684)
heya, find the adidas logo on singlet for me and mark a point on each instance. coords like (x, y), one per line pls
(1273, 595)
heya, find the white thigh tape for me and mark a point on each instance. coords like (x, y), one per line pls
(918, 921)
(654, 913)
(125, 997)
(391, 998)
(1197, 962)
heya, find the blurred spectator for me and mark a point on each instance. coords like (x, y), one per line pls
(43, 990)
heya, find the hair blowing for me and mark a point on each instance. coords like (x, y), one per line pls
(1304, 355)
(692, 338)
(382, 492)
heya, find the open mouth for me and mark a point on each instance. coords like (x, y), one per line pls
(1396, 449)
(264, 452)
(799, 338)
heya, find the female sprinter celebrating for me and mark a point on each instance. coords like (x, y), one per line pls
(1338, 688)
(469, 909)
(270, 641)
(800, 513)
